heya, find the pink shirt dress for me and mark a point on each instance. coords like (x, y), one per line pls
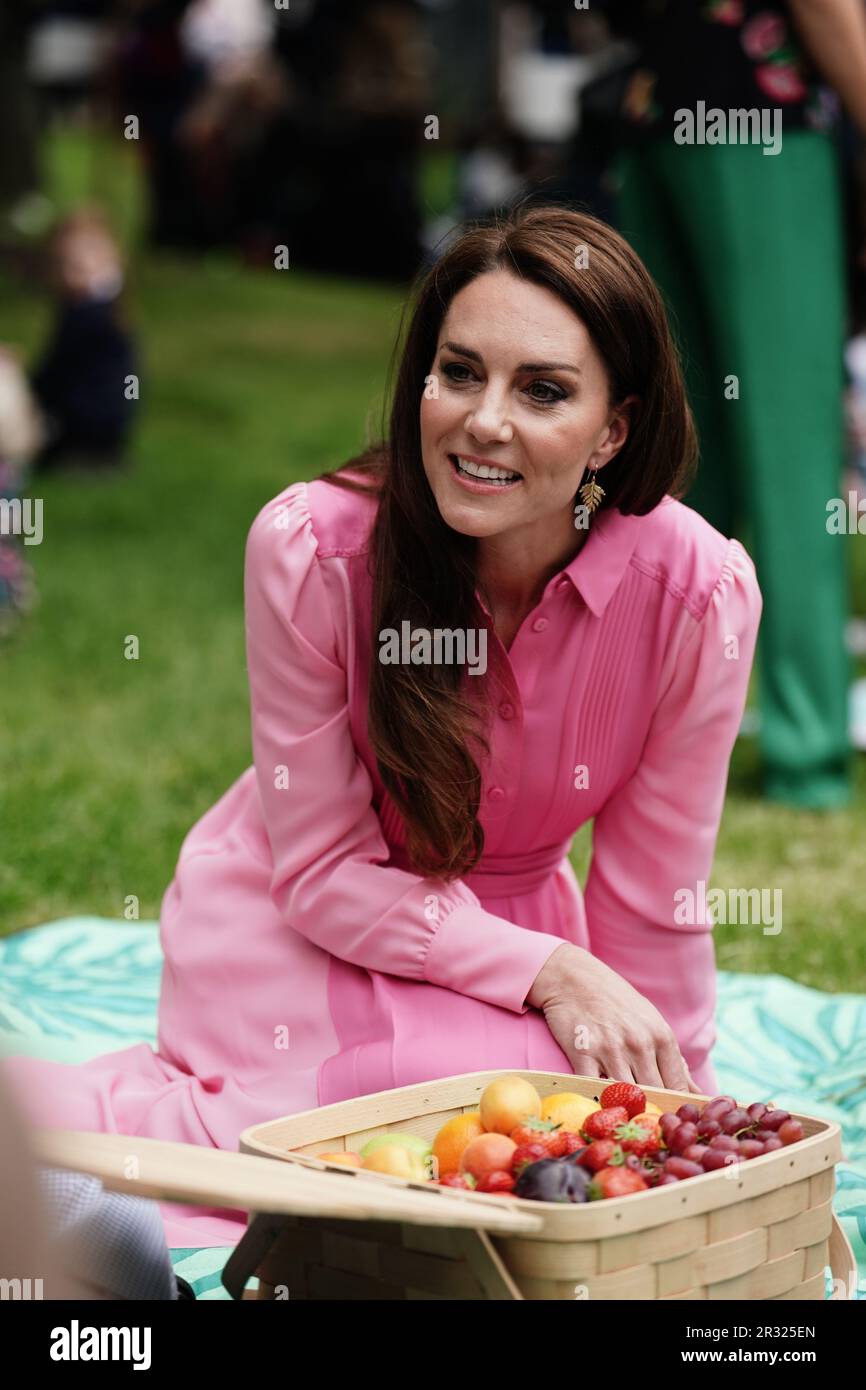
(305, 962)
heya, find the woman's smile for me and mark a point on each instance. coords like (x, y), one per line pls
(483, 475)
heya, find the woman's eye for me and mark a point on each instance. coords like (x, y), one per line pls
(545, 392)
(539, 392)
(452, 371)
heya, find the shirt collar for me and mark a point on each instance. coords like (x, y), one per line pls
(601, 562)
(599, 565)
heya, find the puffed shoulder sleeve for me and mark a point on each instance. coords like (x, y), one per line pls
(654, 839)
(331, 881)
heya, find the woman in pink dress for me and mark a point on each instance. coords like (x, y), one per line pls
(385, 896)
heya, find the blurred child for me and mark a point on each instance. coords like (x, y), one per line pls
(87, 381)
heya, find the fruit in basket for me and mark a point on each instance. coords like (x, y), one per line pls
(452, 1139)
(684, 1135)
(726, 1142)
(708, 1129)
(421, 1147)
(650, 1119)
(790, 1132)
(682, 1167)
(638, 1139)
(602, 1124)
(596, 1155)
(626, 1094)
(733, 1121)
(714, 1159)
(525, 1154)
(566, 1147)
(716, 1108)
(345, 1157)
(616, 1182)
(774, 1119)
(397, 1161)
(694, 1152)
(568, 1109)
(537, 1131)
(486, 1154)
(750, 1148)
(498, 1181)
(569, 1143)
(553, 1180)
(667, 1124)
(507, 1101)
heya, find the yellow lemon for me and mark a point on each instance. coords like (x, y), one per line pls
(568, 1109)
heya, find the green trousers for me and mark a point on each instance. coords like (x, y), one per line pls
(747, 250)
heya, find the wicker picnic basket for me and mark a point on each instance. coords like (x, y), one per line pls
(764, 1229)
(760, 1230)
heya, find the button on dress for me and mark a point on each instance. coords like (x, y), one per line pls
(306, 962)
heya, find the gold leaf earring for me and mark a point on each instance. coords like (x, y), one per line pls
(591, 493)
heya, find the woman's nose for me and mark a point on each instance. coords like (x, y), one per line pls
(488, 421)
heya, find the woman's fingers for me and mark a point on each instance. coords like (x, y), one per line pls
(674, 1072)
(618, 1066)
(584, 1065)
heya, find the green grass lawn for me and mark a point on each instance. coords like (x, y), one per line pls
(251, 381)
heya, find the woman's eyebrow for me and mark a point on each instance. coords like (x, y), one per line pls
(524, 366)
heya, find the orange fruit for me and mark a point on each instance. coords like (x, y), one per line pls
(487, 1154)
(507, 1101)
(452, 1139)
(568, 1109)
(344, 1157)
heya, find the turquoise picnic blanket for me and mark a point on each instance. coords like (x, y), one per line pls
(74, 989)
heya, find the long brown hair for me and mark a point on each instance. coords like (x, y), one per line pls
(425, 730)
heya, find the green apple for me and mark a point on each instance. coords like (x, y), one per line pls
(420, 1148)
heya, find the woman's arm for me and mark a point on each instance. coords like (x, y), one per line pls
(330, 880)
(833, 32)
(654, 840)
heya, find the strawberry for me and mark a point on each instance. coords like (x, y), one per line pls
(525, 1154)
(616, 1182)
(600, 1154)
(463, 1180)
(535, 1131)
(639, 1139)
(601, 1124)
(624, 1093)
(497, 1181)
(568, 1143)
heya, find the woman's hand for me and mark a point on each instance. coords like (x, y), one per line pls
(602, 1024)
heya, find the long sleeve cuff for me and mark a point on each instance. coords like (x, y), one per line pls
(475, 952)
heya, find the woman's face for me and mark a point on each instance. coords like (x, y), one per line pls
(519, 387)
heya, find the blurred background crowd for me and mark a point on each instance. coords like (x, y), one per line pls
(155, 154)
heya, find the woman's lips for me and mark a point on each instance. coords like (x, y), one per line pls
(480, 485)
